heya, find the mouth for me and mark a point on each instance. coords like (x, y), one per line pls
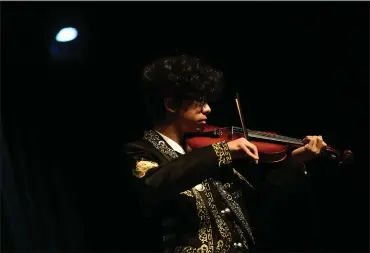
(202, 121)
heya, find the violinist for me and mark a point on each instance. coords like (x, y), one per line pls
(193, 200)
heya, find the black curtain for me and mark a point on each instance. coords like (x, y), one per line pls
(37, 203)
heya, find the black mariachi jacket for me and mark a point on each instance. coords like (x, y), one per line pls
(194, 199)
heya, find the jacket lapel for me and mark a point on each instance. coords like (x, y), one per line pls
(160, 144)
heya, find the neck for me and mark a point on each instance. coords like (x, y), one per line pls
(171, 131)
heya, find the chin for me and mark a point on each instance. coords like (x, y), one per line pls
(200, 127)
(192, 128)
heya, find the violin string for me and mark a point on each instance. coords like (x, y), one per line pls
(278, 139)
(269, 136)
(278, 136)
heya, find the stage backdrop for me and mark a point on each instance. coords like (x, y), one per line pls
(300, 68)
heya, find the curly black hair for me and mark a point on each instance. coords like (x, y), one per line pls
(181, 78)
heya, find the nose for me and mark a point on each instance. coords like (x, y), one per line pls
(206, 109)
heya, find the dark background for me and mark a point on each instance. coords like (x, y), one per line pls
(300, 68)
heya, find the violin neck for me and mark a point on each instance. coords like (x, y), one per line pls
(269, 137)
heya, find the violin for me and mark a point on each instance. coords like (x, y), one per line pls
(272, 148)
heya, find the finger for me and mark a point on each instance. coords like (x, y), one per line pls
(248, 152)
(312, 144)
(252, 155)
(320, 145)
(255, 152)
(319, 141)
(307, 139)
(253, 148)
(310, 147)
(323, 146)
(316, 146)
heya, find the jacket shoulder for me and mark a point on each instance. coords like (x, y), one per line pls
(137, 145)
(141, 148)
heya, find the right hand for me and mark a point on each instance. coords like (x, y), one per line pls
(241, 148)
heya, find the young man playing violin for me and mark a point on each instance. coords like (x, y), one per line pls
(194, 200)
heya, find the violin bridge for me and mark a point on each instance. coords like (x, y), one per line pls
(231, 133)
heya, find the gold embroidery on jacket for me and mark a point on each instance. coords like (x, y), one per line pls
(237, 194)
(157, 141)
(235, 207)
(240, 176)
(227, 185)
(221, 224)
(241, 235)
(205, 229)
(142, 167)
(189, 249)
(220, 245)
(223, 153)
(188, 193)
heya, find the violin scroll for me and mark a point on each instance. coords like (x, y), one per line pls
(346, 158)
(343, 159)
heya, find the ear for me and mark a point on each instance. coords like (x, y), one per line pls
(169, 103)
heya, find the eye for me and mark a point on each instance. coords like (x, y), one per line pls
(200, 103)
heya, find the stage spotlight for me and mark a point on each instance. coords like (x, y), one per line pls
(66, 34)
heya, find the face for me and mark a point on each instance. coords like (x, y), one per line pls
(193, 115)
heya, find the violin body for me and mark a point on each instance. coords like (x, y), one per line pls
(269, 152)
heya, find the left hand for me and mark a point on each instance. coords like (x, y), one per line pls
(314, 146)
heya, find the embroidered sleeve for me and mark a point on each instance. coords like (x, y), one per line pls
(223, 153)
(158, 179)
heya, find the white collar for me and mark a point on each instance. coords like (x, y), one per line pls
(175, 146)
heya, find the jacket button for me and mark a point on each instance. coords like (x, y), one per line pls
(199, 187)
(238, 244)
(225, 211)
